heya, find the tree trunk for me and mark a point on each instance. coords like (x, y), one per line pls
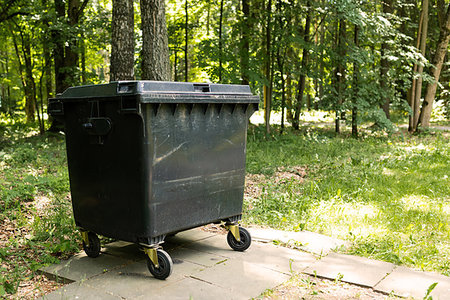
(384, 64)
(412, 90)
(245, 41)
(58, 50)
(266, 88)
(304, 64)
(220, 41)
(155, 45)
(418, 88)
(355, 88)
(340, 73)
(438, 61)
(122, 41)
(186, 41)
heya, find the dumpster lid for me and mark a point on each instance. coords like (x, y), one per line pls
(164, 92)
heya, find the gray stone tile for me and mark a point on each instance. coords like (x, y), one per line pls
(243, 279)
(277, 258)
(81, 267)
(215, 245)
(125, 250)
(79, 290)
(353, 269)
(185, 237)
(190, 288)
(309, 241)
(201, 258)
(135, 280)
(406, 282)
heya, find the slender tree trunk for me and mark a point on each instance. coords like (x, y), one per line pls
(412, 90)
(340, 73)
(266, 88)
(384, 64)
(245, 41)
(155, 45)
(438, 61)
(304, 64)
(186, 41)
(58, 50)
(122, 41)
(220, 40)
(289, 105)
(418, 87)
(355, 86)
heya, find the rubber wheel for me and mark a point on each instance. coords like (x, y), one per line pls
(165, 265)
(94, 245)
(245, 242)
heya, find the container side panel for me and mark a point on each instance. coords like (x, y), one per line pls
(107, 172)
(198, 163)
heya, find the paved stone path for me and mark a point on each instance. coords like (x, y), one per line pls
(206, 268)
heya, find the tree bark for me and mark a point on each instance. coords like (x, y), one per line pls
(418, 88)
(245, 41)
(186, 41)
(355, 88)
(122, 41)
(267, 73)
(340, 73)
(438, 61)
(155, 45)
(384, 64)
(220, 40)
(302, 80)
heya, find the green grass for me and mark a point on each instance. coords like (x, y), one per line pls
(35, 210)
(388, 195)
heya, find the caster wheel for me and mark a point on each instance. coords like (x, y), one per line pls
(245, 242)
(165, 265)
(94, 245)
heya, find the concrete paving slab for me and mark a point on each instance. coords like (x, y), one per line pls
(125, 250)
(79, 290)
(200, 258)
(216, 245)
(244, 279)
(406, 282)
(186, 237)
(81, 267)
(135, 280)
(305, 240)
(352, 269)
(190, 288)
(277, 258)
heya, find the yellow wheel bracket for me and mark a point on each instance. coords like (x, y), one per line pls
(152, 253)
(234, 229)
(85, 237)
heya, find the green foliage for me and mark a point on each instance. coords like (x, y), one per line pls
(34, 199)
(385, 194)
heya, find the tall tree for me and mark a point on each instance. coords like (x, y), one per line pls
(384, 63)
(155, 47)
(304, 64)
(122, 41)
(416, 91)
(245, 41)
(438, 61)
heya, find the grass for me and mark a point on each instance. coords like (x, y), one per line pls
(387, 195)
(36, 224)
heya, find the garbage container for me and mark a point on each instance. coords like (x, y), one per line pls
(148, 159)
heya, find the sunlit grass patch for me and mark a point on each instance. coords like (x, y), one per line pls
(387, 195)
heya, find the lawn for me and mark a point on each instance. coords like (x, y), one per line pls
(388, 195)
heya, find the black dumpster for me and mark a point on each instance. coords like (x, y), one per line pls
(149, 159)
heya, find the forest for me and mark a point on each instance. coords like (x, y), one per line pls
(359, 60)
(351, 139)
